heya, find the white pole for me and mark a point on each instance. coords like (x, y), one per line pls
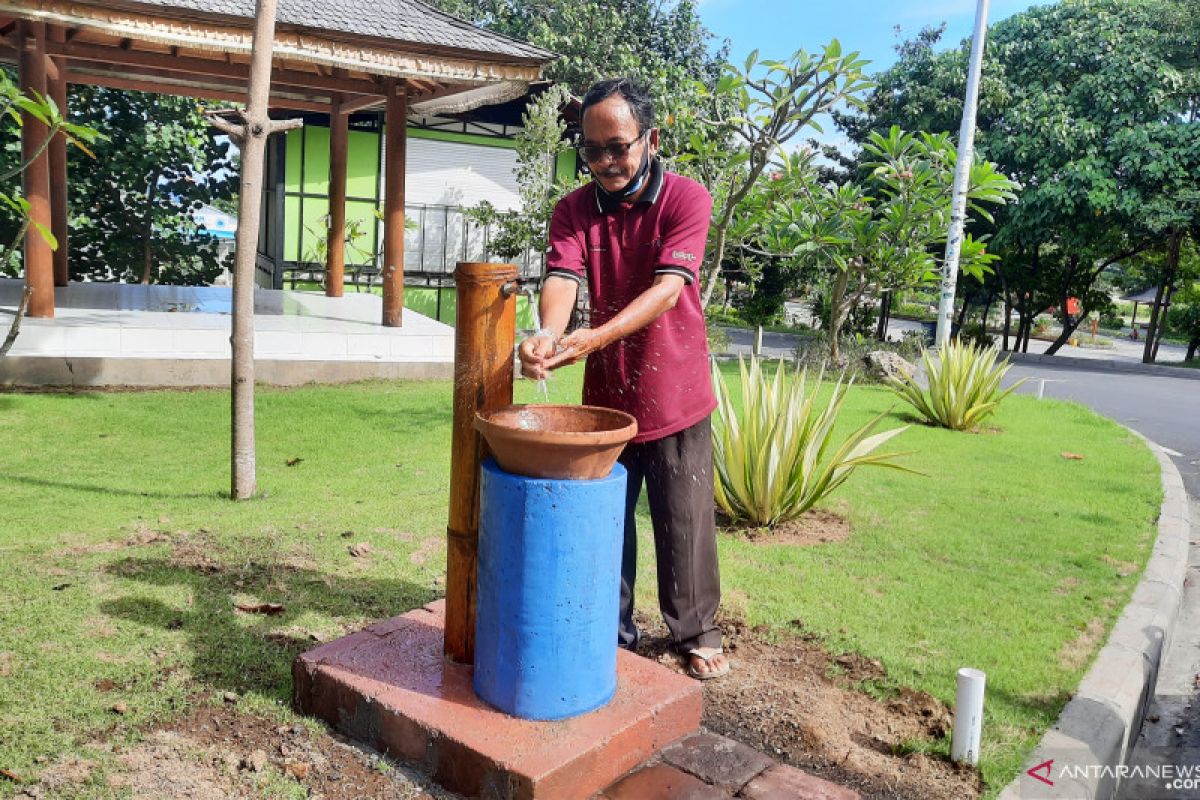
(968, 716)
(962, 173)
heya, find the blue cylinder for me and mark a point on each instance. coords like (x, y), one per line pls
(549, 587)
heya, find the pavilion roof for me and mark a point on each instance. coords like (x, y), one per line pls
(351, 48)
(400, 21)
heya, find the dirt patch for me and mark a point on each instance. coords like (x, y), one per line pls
(799, 704)
(813, 527)
(218, 752)
(1124, 568)
(1075, 653)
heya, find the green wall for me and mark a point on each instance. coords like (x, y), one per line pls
(424, 300)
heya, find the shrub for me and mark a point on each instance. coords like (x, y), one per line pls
(776, 457)
(976, 333)
(964, 386)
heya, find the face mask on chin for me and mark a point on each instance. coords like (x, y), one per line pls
(635, 183)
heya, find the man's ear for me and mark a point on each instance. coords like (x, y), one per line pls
(652, 141)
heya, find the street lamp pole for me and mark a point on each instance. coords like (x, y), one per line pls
(962, 174)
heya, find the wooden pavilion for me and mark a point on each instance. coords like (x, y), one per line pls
(333, 56)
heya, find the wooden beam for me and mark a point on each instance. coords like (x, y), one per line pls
(39, 258)
(395, 133)
(335, 263)
(181, 90)
(361, 104)
(58, 162)
(214, 67)
(219, 83)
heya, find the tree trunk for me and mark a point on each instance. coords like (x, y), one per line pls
(838, 311)
(1157, 314)
(885, 313)
(1152, 327)
(962, 315)
(714, 272)
(1068, 331)
(1162, 321)
(1007, 322)
(148, 231)
(244, 482)
(23, 306)
(1192, 346)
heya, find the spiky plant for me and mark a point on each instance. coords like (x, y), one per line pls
(963, 385)
(776, 456)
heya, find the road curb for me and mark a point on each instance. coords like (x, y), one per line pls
(1098, 728)
(1104, 365)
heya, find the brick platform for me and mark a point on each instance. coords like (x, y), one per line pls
(389, 687)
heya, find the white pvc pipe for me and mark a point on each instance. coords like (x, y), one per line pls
(968, 716)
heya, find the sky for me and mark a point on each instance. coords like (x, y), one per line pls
(780, 27)
(777, 28)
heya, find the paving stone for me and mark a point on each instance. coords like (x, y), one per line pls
(662, 782)
(782, 782)
(717, 760)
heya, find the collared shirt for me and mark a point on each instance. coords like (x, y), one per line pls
(659, 374)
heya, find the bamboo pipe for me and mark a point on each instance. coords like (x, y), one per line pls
(485, 334)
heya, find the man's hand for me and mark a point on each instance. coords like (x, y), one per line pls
(576, 347)
(534, 353)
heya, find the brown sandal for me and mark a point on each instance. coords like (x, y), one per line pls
(706, 654)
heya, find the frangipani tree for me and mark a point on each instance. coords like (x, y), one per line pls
(887, 229)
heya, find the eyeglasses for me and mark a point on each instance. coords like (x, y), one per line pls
(592, 153)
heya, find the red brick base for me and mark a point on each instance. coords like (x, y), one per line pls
(389, 687)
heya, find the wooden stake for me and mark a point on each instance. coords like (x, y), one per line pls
(484, 337)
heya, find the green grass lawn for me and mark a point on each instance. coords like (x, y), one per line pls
(121, 560)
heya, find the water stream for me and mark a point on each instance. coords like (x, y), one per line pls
(543, 390)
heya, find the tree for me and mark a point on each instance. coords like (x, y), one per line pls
(251, 137)
(762, 105)
(660, 43)
(539, 143)
(135, 205)
(1089, 105)
(1185, 319)
(884, 230)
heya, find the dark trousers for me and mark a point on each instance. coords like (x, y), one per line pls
(678, 473)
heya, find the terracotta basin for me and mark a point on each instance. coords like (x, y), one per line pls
(556, 441)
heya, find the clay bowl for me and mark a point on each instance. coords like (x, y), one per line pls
(556, 441)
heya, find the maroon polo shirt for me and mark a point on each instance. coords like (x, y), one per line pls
(660, 374)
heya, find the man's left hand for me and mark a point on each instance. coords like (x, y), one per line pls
(574, 348)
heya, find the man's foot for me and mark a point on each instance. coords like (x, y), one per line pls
(706, 663)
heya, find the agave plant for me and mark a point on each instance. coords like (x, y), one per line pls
(776, 455)
(963, 385)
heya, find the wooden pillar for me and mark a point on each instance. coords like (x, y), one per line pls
(335, 261)
(484, 337)
(58, 162)
(392, 272)
(39, 257)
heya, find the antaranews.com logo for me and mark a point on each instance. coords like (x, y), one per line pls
(1170, 778)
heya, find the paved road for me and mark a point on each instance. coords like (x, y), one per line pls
(1166, 410)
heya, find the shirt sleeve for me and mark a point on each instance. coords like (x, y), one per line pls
(685, 235)
(567, 249)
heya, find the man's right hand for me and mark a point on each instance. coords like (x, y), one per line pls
(534, 353)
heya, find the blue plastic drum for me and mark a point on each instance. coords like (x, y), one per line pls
(548, 592)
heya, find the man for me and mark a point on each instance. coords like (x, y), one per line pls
(636, 234)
